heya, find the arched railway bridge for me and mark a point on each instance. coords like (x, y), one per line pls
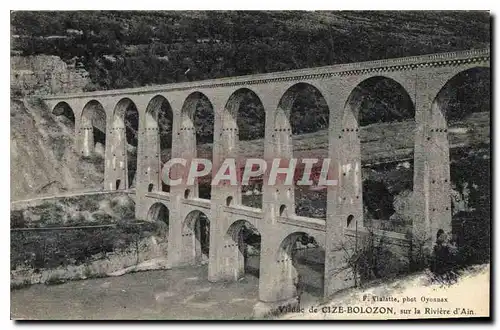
(421, 78)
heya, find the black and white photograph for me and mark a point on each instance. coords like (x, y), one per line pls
(250, 165)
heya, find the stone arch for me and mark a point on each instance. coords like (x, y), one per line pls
(301, 262)
(299, 104)
(457, 89)
(284, 116)
(379, 89)
(64, 111)
(92, 128)
(243, 120)
(349, 220)
(196, 236)
(282, 211)
(378, 118)
(158, 124)
(125, 128)
(459, 158)
(123, 108)
(232, 114)
(158, 212)
(247, 239)
(191, 108)
(196, 135)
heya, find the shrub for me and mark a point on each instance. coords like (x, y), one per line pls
(49, 212)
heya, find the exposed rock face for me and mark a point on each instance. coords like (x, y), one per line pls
(42, 157)
(44, 74)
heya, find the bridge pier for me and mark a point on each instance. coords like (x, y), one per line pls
(276, 281)
(184, 245)
(118, 178)
(175, 239)
(345, 199)
(87, 142)
(432, 198)
(226, 260)
(219, 266)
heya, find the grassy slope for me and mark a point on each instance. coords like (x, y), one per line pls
(379, 142)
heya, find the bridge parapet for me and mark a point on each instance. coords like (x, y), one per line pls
(244, 211)
(159, 195)
(198, 202)
(395, 64)
(303, 222)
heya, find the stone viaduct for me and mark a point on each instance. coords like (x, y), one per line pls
(422, 77)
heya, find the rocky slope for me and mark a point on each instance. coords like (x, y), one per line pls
(42, 157)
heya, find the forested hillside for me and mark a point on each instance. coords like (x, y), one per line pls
(136, 48)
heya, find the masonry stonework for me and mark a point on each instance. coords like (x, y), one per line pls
(422, 77)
